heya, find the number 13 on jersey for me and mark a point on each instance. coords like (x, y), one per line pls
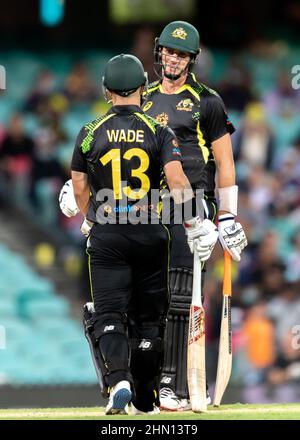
(114, 156)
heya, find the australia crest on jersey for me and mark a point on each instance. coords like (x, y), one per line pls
(185, 105)
(162, 118)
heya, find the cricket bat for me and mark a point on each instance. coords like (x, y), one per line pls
(196, 344)
(225, 342)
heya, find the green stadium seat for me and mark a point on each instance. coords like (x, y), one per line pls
(44, 346)
(7, 308)
(56, 307)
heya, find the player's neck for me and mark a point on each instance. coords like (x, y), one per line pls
(126, 101)
(171, 86)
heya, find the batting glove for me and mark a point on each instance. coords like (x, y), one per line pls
(67, 200)
(86, 227)
(232, 236)
(201, 236)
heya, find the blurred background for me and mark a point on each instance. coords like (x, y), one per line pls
(54, 52)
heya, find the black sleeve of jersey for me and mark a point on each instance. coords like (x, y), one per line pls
(216, 118)
(168, 146)
(78, 162)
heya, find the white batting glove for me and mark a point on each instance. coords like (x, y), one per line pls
(86, 227)
(202, 236)
(232, 236)
(67, 200)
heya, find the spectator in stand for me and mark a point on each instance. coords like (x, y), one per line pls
(143, 49)
(235, 89)
(79, 87)
(254, 142)
(42, 90)
(259, 352)
(47, 174)
(259, 335)
(293, 262)
(16, 156)
(282, 95)
(284, 310)
(284, 375)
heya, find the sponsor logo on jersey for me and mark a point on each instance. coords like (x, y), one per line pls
(162, 118)
(131, 208)
(185, 105)
(179, 33)
(147, 106)
(176, 150)
(107, 208)
(196, 116)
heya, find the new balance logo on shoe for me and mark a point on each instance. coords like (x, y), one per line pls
(166, 380)
(145, 345)
(109, 328)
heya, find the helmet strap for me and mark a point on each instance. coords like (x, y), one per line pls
(160, 71)
(107, 95)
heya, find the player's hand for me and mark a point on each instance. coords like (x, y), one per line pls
(86, 227)
(232, 236)
(201, 236)
(67, 200)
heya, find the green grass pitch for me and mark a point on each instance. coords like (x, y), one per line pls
(224, 412)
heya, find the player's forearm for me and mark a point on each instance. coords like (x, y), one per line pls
(81, 191)
(226, 174)
(180, 189)
(82, 201)
(222, 150)
(177, 181)
(227, 189)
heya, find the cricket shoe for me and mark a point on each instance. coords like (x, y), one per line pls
(119, 398)
(138, 412)
(170, 402)
(185, 404)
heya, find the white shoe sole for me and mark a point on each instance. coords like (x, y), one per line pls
(165, 408)
(119, 402)
(187, 407)
(137, 412)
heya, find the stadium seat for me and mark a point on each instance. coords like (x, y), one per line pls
(44, 307)
(7, 308)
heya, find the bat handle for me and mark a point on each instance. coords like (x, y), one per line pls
(227, 290)
(197, 267)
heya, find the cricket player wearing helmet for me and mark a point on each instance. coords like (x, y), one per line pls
(129, 262)
(198, 117)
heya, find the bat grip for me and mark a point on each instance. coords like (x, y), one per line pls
(197, 267)
(227, 290)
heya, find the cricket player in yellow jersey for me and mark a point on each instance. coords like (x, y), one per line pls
(198, 117)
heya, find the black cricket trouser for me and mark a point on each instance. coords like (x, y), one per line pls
(129, 279)
(174, 373)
